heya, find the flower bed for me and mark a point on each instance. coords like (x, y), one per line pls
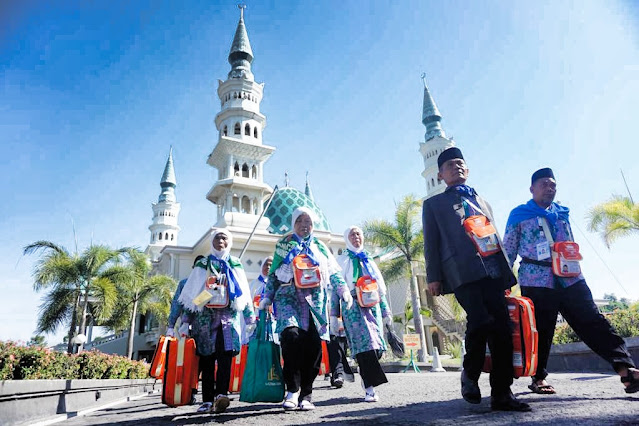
(18, 362)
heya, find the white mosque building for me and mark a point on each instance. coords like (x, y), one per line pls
(241, 196)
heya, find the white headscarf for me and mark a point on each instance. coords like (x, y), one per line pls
(222, 254)
(346, 263)
(300, 211)
(350, 245)
(197, 279)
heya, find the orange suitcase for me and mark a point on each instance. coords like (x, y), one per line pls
(237, 370)
(325, 367)
(525, 338)
(159, 357)
(181, 372)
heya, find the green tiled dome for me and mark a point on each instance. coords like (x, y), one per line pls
(280, 212)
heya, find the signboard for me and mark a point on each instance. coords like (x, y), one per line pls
(411, 341)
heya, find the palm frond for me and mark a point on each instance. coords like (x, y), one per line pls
(394, 269)
(44, 245)
(105, 293)
(55, 310)
(614, 219)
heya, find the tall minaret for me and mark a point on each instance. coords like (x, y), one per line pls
(239, 155)
(164, 227)
(435, 141)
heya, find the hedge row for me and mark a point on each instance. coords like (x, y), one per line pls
(624, 321)
(36, 362)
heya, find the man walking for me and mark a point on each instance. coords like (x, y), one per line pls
(531, 230)
(459, 261)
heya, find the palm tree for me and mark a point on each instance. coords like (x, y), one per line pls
(72, 281)
(405, 318)
(404, 237)
(138, 292)
(615, 218)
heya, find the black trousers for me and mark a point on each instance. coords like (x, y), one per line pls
(337, 357)
(369, 368)
(580, 312)
(215, 384)
(487, 322)
(302, 354)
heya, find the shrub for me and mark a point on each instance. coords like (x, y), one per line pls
(19, 362)
(564, 334)
(624, 321)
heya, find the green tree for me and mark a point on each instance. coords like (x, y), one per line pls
(403, 236)
(614, 303)
(405, 318)
(139, 292)
(615, 218)
(73, 282)
(37, 340)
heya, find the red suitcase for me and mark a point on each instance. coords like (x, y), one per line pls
(325, 367)
(159, 357)
(525, 338)
(181, 372)
(237, 370)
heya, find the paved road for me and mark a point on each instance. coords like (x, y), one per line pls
(408, 399)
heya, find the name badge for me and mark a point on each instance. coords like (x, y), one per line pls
(543, 251)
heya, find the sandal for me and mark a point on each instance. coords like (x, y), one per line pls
(634, 382)
(542, 389)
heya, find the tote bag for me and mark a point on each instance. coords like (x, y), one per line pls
(263, 380)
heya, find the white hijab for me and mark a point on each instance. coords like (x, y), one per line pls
(222, 254)
(347, 264)
(197, 279)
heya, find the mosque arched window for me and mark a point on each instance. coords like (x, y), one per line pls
(245, 170)
(236, 203)
(254, 171)
(166, 236)
(237, 130)
(171, 236)
(160, 235)
(255, 204)
(246, 205)
(225, 132)
(255, 132)
(236, 169)
(432, 182)
(247, 130)
(234, 95)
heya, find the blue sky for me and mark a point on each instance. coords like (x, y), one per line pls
(92, 95)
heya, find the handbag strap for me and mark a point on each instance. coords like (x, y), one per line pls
(544, 226)
(474, 206)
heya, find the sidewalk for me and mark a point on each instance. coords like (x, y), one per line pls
(408, 399)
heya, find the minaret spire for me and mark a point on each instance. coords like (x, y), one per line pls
(164, 225)
(435, 141)
(168, 182)
(307, 189)
(241, 55)
(431, 116)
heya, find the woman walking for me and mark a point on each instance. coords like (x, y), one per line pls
(302, 271)
(364, 320)
(214, 296)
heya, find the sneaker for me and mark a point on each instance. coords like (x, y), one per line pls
(290, 402)
(205, 407)
(338, 382)
(221, 403)
(306, 405)
(371, 396)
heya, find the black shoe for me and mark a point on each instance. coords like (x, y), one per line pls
(470, 389)
(338, 382)
(507, 402)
